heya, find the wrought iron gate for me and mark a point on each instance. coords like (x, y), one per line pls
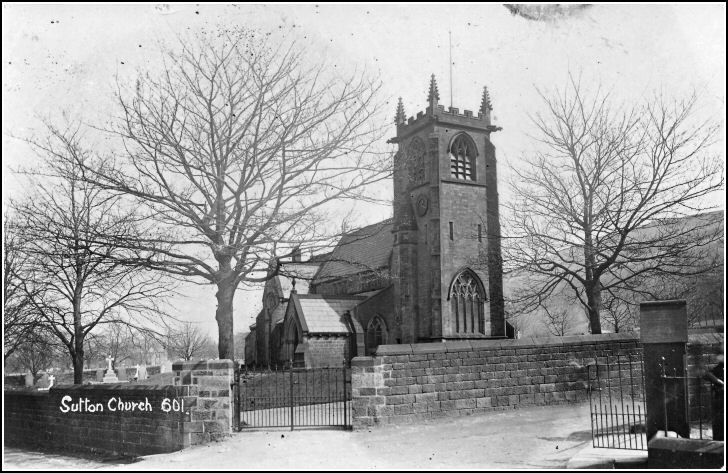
(292, 397)
(617, 402)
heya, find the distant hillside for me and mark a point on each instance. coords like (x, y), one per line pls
(563, 314)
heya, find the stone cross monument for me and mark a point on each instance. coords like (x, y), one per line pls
(110, 376)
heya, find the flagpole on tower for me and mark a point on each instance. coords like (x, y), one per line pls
(449, 32)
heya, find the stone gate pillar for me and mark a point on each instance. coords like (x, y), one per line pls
(664, 337)
(210, 405)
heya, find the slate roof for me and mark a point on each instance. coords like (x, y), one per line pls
(320, 314)
(366, 249)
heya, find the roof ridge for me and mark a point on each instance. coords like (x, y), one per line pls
(381, 223)
(323, 296)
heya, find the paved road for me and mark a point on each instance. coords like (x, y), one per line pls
(537, 437)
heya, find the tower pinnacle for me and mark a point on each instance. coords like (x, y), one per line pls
(433, 96)
(485, 104)
(399, 116)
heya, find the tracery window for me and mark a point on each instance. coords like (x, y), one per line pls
(376, 334)
(462, 158)
(467, 299)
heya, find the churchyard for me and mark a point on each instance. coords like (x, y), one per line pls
(246, 254)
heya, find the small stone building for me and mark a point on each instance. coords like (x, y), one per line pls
(433, 272)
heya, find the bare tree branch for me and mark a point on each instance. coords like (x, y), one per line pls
(600, 206)
(235, 154)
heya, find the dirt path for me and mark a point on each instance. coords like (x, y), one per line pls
(538, 437)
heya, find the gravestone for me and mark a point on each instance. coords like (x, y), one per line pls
(110, 376)
(664, 337)
(141, 373)
(42, 380)
(51, 381)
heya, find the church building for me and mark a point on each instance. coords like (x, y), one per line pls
(432, 272)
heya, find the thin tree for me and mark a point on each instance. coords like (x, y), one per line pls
(145, 344)
(187, 341)
(78, 283)
(619, 315)
(116, 343)
(597, 208)
(19, 317)
(557, 320)
(36, 354)
(236, 151)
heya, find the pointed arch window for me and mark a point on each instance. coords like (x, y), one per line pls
(293, 339)
(376, 334)
(462, 157)
(467, 301)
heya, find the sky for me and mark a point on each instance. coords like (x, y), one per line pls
(60, 59)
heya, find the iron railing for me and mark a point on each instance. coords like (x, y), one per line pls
(705, 398)
(617, 402)
(290, 397)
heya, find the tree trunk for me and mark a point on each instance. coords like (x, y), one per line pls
(594, 299)
(78, 368)
(224, 317)
(592, 284)
(77, 354)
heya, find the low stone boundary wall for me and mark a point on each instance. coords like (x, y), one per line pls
(124, 419)
(408, 383)
(97, 419)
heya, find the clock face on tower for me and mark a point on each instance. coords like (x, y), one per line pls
(422, 205)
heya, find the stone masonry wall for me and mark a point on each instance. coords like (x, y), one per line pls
(408, 383)
(211, 417)
(326, 351)
(34, 419)
(199, 410)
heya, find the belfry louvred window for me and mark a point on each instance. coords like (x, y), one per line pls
(467, 300)
(462, 158)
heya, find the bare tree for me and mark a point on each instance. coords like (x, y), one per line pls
(558, 321)
(116, 342)
(235, 151)
(77, 281)
(94, 350)
(187, 341)
(145, 343)
(620, 315)
(19, 317)
(35, 354)
(597, 209)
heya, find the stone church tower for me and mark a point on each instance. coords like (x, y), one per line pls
(446, 261)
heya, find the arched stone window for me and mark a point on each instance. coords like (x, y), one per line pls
(462, 157)
(376, 334)
(467, 301)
